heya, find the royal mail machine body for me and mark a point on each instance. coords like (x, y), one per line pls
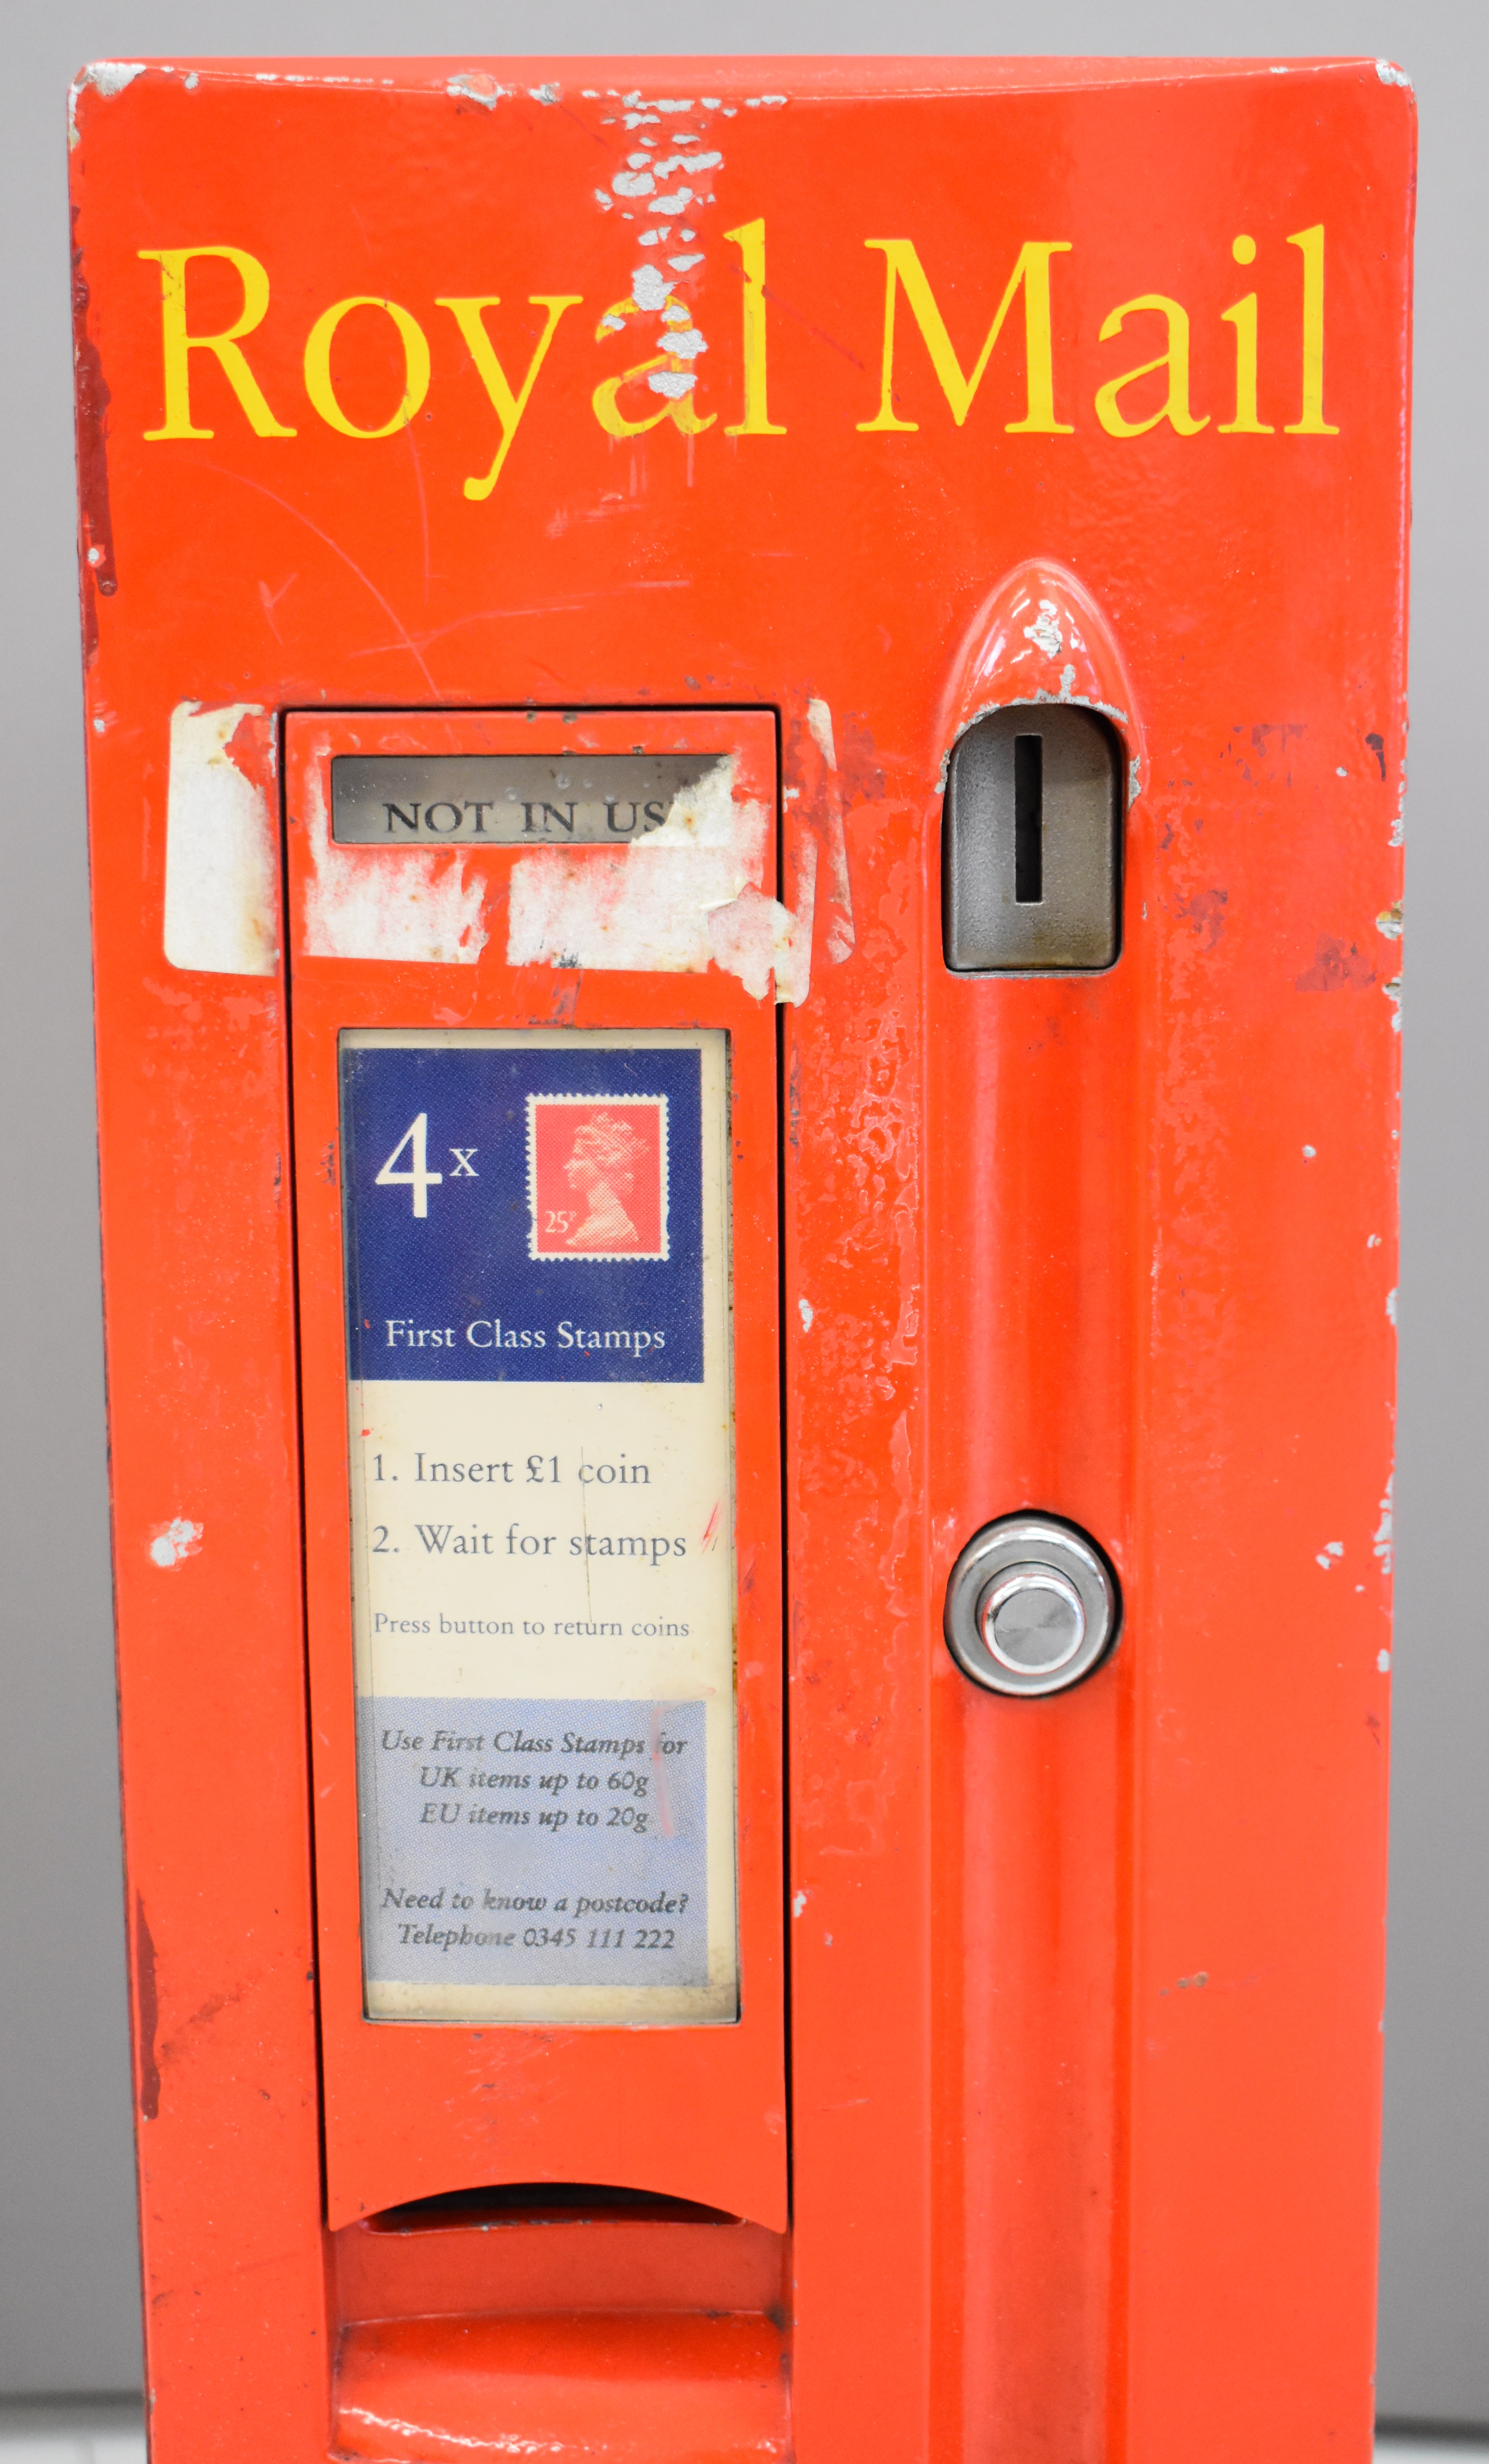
(746, 740)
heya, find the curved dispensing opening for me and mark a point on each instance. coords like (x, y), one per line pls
(524, 2248)
(518, 2203)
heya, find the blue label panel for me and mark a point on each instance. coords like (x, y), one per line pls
(524, 1212)
(532, 1842)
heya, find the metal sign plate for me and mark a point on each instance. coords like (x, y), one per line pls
(540, 1448)
(509, 799)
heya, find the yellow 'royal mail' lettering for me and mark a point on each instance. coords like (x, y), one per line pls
(750, 241)
(902, 268)
(179, 344)
(1243, 317)
(1175, 404)
(1310, 421)
(318, 365)
(470, 316)
(671, 374)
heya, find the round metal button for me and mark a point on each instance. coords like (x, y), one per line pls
(1031, 1606)
(1031, 1621)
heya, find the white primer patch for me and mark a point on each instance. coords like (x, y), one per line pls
(650, 289)
(1384, 1542)
(819, 719)
(174, 1541)
(819, 795)
(1044, 630)
(688, 893)
(473, 85)
(106, 78)
(221, 856)
(413, 904)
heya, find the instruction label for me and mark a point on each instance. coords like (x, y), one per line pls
(538, 1325)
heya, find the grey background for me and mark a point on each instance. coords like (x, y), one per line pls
(68, 2277)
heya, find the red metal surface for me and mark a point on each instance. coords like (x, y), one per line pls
(1085, 1992)
(547, 2260)
(651, 2389)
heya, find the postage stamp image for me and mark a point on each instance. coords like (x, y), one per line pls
(597, 1176)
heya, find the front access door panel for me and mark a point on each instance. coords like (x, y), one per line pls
(542, 1431)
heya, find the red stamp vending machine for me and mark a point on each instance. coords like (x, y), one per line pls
(746, 728)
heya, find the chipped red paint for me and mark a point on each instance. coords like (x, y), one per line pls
(96, 532)
(146, 2014)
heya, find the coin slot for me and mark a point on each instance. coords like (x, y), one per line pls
(1031, 844)
(1029, 821)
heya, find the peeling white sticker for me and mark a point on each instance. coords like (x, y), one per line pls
(404, 904)
(221, 855)
(689, 893)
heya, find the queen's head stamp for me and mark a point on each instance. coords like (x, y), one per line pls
(597, 1176)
